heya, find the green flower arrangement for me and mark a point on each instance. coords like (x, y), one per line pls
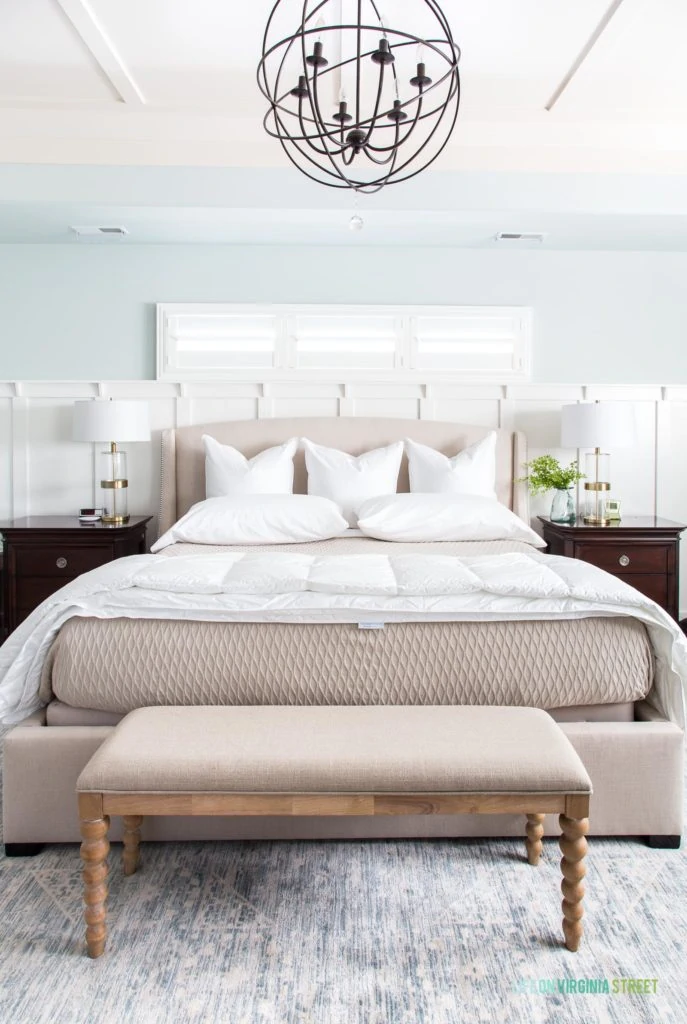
(545, 473)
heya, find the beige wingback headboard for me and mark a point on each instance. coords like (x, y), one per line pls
(183, 461)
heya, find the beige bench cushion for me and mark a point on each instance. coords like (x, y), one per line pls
(397, 749)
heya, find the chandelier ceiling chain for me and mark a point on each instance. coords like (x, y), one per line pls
(358, 104)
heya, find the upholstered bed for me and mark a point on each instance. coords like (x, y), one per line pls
(594, 673)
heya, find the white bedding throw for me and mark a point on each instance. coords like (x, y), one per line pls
(367, 589)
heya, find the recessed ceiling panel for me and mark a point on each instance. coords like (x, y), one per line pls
(43, 60)
(205, 53)
(187, 55)
(513, 53)
(637, 69)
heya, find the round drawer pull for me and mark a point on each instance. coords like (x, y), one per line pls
(624, 560)
(61, 563)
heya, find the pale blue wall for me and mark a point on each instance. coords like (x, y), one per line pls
(87, 311)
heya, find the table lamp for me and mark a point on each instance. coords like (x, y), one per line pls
(597, 425)
(103, 420)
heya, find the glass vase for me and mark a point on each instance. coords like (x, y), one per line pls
(562, 507)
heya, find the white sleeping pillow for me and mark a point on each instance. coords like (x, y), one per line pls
(256, 519)
(228, 472)
(349, 480)
(472, 471)
(439, 517)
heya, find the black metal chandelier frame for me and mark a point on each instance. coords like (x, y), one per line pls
(330, 147)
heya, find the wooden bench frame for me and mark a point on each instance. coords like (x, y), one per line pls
(95, 810)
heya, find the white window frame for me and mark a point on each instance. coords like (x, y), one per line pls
(404, 368)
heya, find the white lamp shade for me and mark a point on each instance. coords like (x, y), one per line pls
(598, 425)
(116, 420)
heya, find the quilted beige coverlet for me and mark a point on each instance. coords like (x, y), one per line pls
(117, 665)
(122, 664)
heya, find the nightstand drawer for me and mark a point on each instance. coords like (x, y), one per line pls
(625, 558)
(64, 561)
(30, 591)
(655, 587)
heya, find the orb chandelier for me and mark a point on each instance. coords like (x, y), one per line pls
(354, 102)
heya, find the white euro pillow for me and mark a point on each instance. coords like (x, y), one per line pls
(256, 519)
(349, 480)
(472, 471)
(229, 472)
(443, 517)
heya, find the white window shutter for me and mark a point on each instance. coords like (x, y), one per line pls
(475, 342)
(232, 341)
(200, 343)
(345, 340)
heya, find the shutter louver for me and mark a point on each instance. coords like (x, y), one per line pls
(485, 343)
(344, 341)
(223, 341)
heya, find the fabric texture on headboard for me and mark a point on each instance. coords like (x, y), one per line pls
(183, 458)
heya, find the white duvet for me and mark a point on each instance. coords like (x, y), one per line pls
(369, 589)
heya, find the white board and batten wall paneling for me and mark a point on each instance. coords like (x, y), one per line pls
(42, 471)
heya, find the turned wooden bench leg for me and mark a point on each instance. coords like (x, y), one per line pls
(574, 849)
(94, 850)
(132, 839)
(535, 831)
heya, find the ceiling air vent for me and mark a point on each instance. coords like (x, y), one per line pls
(97, 230)
(520, 236)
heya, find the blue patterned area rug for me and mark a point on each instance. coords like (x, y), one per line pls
(402, 932)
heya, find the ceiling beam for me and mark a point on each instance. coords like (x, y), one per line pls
(103, 50)
(583, 54)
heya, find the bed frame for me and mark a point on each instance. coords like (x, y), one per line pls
(636, 766)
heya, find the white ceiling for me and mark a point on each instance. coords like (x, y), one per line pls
(155, 86)
(170, 81)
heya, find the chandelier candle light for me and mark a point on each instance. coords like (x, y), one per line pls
(356, 103)
(100, 420)
(597, 425)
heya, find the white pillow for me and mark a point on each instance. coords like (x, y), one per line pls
(229, 472)
(437, 517)
(259, 519)
(350, 480)
(472, 471)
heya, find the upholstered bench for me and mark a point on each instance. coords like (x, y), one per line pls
(333, 761)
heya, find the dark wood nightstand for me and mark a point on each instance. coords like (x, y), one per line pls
(641, 550)
(42, 553)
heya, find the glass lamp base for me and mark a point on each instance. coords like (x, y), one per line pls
(597, 489)
(115, 488)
